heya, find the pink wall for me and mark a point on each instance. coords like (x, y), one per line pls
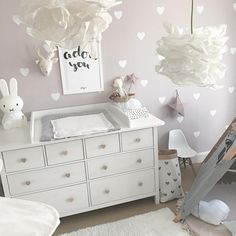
(120, 42)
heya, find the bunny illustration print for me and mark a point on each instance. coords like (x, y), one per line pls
(11, 105)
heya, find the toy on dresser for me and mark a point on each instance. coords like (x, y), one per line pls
(11, 105)
(125, 101)
(120, 94)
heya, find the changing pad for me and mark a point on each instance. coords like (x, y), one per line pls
(80, 125)
(47, 133)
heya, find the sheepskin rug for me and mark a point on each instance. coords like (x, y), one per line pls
(156, 223)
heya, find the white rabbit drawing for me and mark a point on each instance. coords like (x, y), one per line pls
(11, 105)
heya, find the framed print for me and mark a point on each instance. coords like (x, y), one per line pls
(81, 73)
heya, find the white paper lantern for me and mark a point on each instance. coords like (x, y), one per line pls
(66, 23)
(193, 59)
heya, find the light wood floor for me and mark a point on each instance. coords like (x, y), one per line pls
(114, 213)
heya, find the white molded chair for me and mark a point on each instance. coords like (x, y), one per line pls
(178, 141)
(26, 218)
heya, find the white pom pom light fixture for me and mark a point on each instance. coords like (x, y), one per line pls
(193, 59)
(66, 23)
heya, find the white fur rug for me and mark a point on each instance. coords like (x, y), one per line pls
(156, 223)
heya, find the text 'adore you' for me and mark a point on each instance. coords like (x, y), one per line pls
(78, 59)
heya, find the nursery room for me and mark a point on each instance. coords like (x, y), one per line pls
(117, 118)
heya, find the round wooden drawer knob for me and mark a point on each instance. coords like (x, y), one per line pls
(64, 153)
(139, 161)
(27, 183)
(67, 175)
(107, 191)
(23, 160)
(103, 146)
(104, 167)
(140, 184)
(71, 199)
(138, 140)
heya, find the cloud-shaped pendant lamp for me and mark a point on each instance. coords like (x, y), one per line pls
(65, 23)
(193, 59)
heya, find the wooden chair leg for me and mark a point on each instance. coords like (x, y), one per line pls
(180, 161)
(191, 164)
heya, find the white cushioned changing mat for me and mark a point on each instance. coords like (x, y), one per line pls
(80, 125)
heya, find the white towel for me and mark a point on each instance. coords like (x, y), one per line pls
(80, 125)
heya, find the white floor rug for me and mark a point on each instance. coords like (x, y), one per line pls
(156, 223)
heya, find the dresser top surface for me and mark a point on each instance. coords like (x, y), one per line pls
(21, 137)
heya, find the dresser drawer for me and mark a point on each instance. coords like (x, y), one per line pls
(64, 152)
(23, 159)
(120, 187)
(137, 139)
(119, 163)
(102, 145)
(47, 178)
(64, 200)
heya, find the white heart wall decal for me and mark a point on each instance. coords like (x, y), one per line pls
(16, 19)
(196, 134)
(162, 99)
(160, 10)
(196, 96)
(24, 71)
(140, 35)
(232, 51)
(144, 82)
(200, 9)
(123, 63)
(55, 96)
(213, 113)
(234, 6)
(118, 14)
(180, 119)
(231, 89)
(181, 30)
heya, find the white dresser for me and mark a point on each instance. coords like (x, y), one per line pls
(85, 173)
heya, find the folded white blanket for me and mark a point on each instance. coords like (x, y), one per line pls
(26, 218)
(80, 125)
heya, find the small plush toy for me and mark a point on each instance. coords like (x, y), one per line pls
(213, 212)
(118, 84)
(11, 105)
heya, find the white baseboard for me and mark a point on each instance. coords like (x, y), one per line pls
(200, 157)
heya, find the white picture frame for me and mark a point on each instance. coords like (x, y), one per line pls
(80, 73)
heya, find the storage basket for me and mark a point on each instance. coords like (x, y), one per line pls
(169, 175)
